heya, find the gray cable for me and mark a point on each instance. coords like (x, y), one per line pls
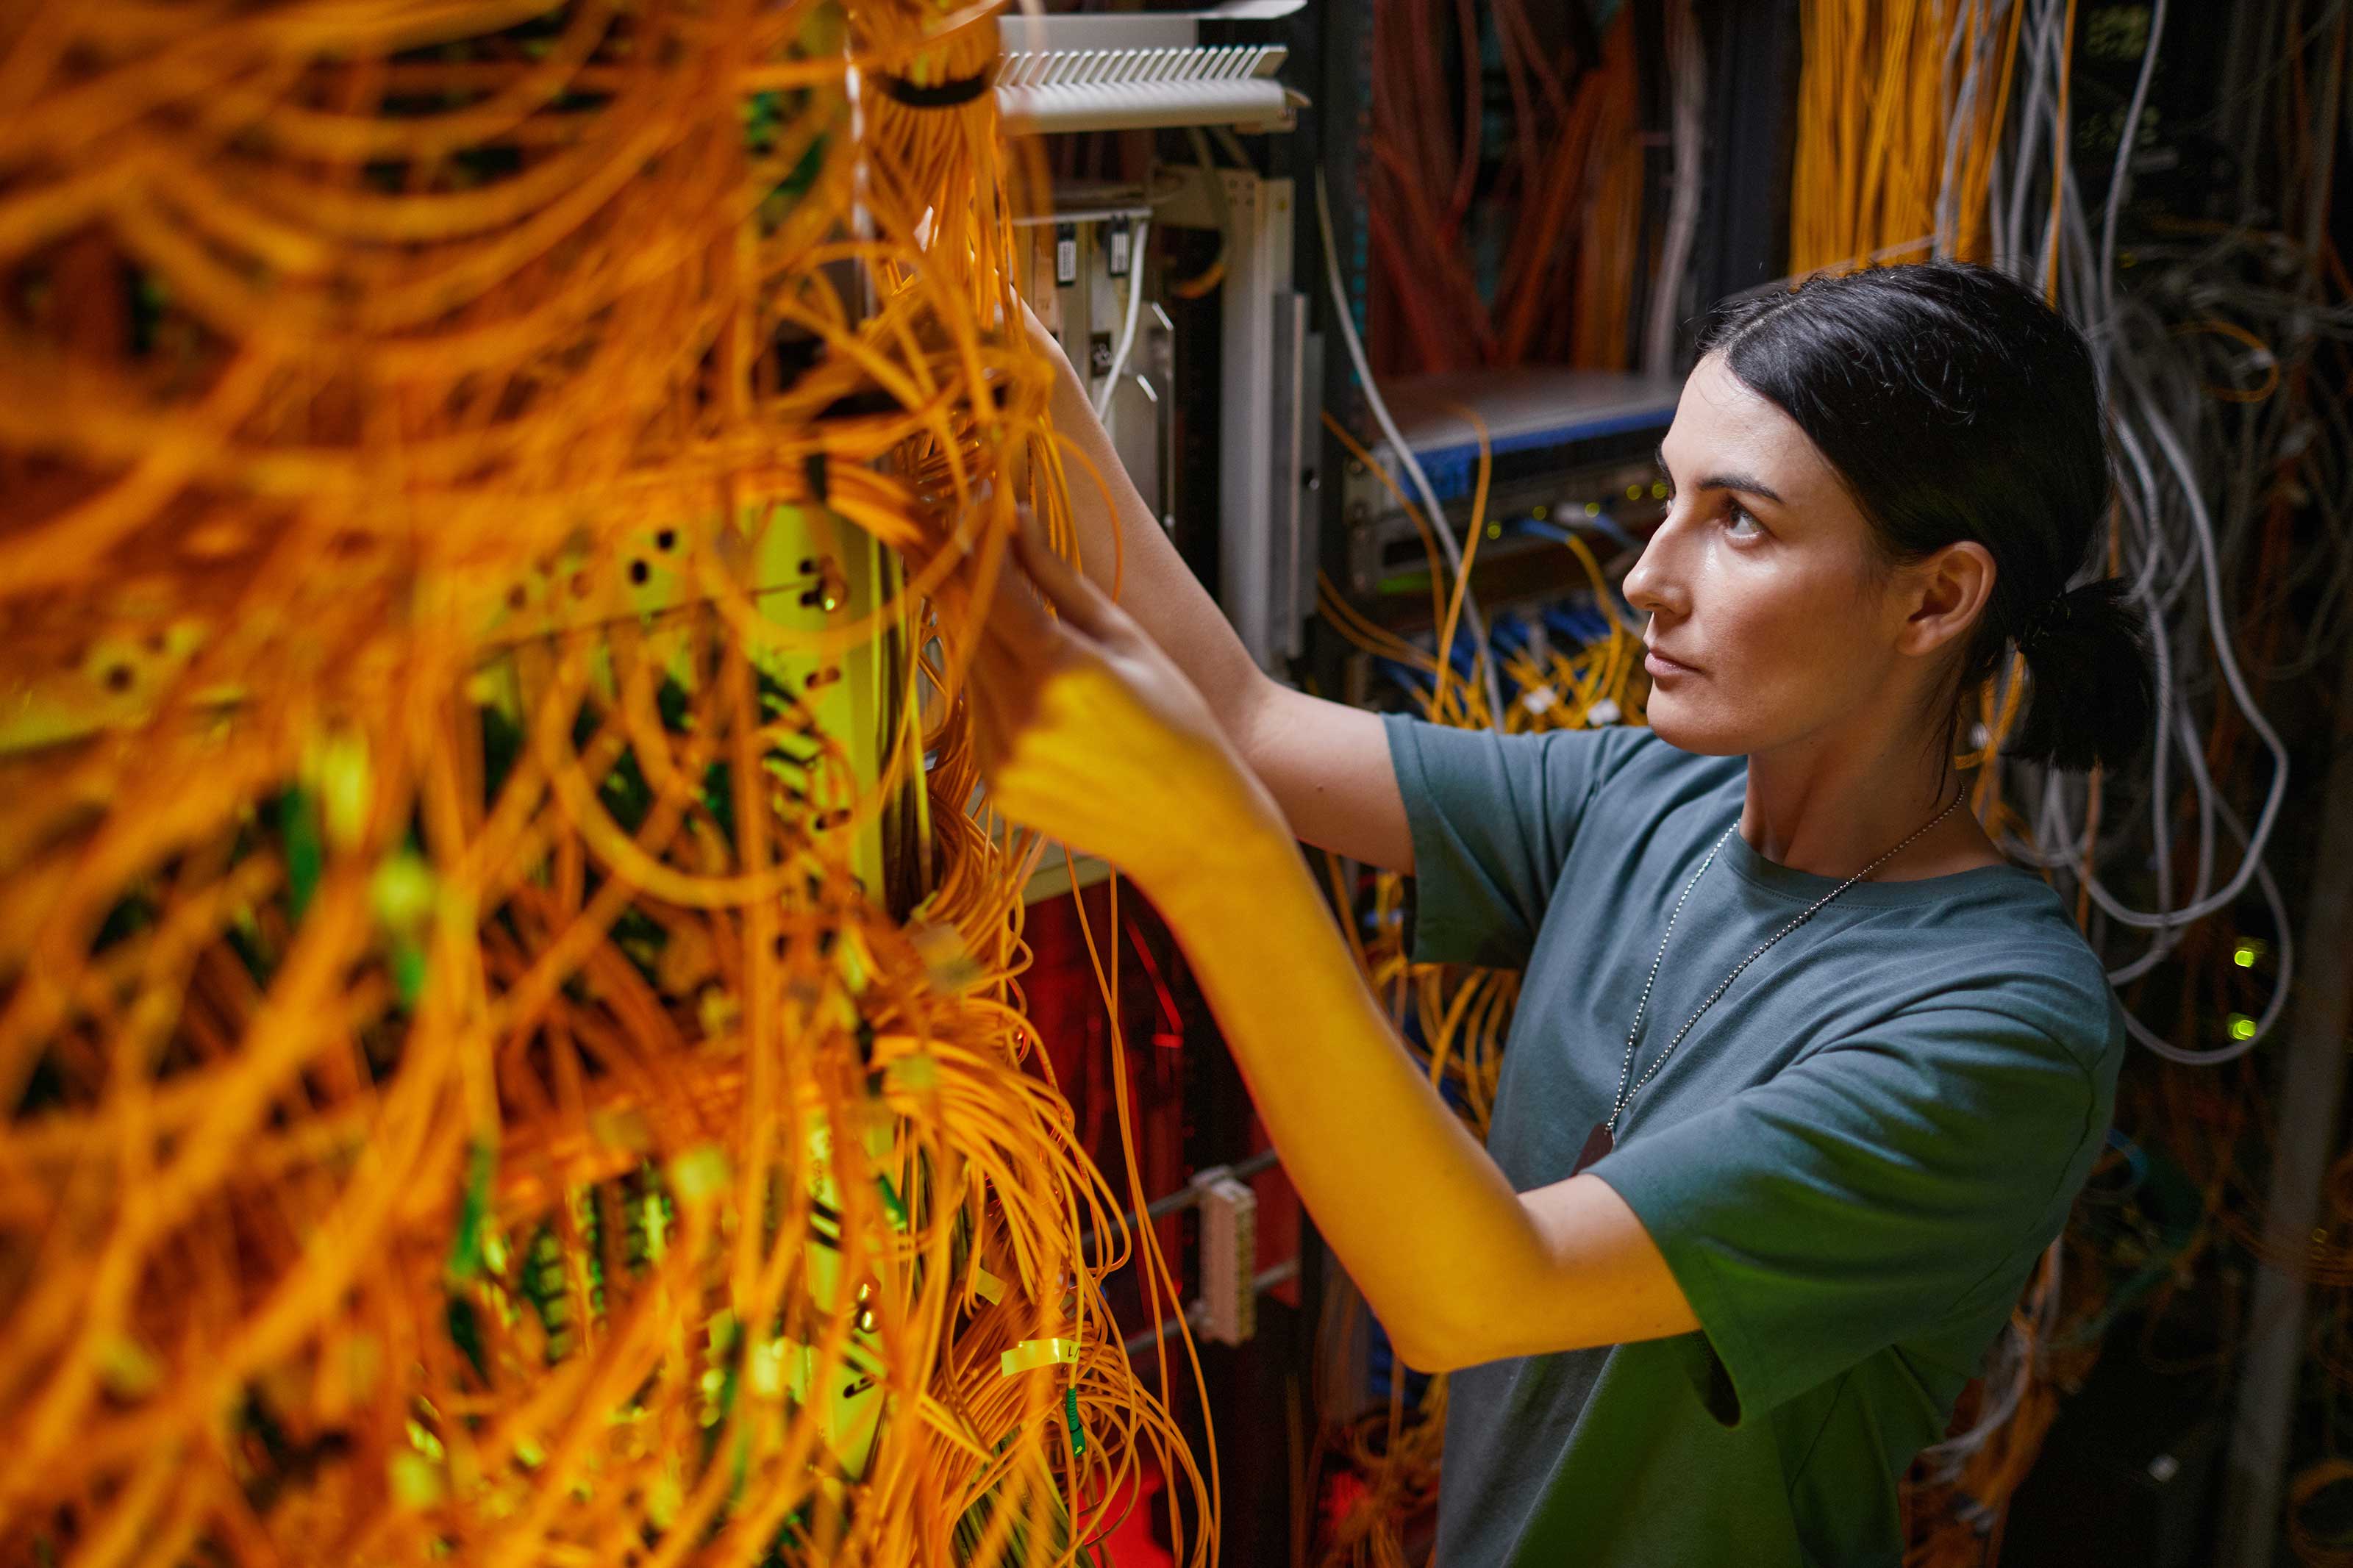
(1690, 90)
(1483, 654)
(2193, 492)
(2123, 156)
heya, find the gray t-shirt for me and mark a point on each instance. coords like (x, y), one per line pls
(1851, 1163)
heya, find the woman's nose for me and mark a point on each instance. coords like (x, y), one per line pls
(1650, 585)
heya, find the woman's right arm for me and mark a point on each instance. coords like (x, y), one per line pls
(1326, 764)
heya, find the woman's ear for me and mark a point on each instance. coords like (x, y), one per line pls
(1951, 589)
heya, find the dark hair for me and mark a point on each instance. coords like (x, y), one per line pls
(1956, 406)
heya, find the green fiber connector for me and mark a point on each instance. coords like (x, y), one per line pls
(299, 830)
(473, 1215)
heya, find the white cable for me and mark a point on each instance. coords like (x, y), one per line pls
(2123, 158)
(2179, 541)
(1964, 106)
(1483, 655)
(1135, 238)
(2029, 124)
(1690, 65)
(2218, 624)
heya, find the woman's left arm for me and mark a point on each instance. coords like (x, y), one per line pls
(1089, 734)
(1460, 1268)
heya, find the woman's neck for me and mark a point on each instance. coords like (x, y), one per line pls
(1831, 806)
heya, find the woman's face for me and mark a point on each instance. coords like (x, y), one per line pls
(1772, 619)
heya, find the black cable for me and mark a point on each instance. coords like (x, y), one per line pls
(951, 94)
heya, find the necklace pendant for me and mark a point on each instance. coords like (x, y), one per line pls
(1597, 1142)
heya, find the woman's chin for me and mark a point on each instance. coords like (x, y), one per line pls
(1688, 727)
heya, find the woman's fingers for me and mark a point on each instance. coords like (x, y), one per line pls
(1033, 579)
(1018, 621)
(989, 683)
(1065, 588)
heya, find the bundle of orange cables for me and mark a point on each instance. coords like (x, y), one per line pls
(1518, 252)
(1901, 106)
(509, 1021)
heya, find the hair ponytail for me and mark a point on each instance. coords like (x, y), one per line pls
(1956, 405)
(2091, 698)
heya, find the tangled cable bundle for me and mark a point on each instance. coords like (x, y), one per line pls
(1901, 108)
(1517, 244)
(493, 498)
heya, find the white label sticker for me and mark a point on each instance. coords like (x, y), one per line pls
(1119, 247)
(1066, 253)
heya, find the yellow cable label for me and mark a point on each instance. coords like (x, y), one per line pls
(1032, 1354)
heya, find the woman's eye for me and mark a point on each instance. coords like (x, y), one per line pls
(1740, 524)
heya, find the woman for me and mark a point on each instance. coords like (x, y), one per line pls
(1803, 1075)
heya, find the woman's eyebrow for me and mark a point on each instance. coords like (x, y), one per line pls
(1734, 482)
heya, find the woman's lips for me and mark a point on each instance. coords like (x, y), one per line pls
(1664, 667)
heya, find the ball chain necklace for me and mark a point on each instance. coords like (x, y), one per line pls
(1603, 1138)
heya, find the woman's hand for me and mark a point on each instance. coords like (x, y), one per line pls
(1089, 733)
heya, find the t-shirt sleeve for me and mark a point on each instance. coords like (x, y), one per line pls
(1864, 1194)
(1491, 817)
